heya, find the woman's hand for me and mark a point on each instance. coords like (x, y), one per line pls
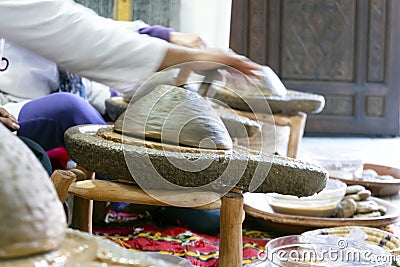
(190, 40)
(238, 62)
(206, 58)
(8, 120)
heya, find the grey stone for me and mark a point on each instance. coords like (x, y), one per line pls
(258, 173)
(367, 206)
(237, 126)
(354, 189)
(355, 197)
(177, 116)
(364, 194)
(292, 102)
(115, 106)
(382, 210)
(346, 209)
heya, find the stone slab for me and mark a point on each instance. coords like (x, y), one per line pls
(237, 126)
(261, 173)
(293, 102)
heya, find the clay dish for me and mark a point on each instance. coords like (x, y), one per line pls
(174, 115)
(379, 188)
(256, 205)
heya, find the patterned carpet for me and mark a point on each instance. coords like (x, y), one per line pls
(138, 233)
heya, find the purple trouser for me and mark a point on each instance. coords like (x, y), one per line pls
(45, 119)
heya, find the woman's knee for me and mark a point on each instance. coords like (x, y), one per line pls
(66, 107)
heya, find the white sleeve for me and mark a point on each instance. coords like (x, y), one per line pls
(82, 42)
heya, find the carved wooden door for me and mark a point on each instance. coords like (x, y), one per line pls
(346, 50)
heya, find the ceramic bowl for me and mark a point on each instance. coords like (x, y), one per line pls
(322, 204)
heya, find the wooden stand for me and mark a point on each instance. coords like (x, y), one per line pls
(231, 205)
(230, 241)
(83, 208)
(296, 123)
(62, 181)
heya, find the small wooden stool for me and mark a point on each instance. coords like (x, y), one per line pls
(86, 189)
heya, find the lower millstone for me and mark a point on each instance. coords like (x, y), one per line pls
(241, 168)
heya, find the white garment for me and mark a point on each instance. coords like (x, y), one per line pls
(31, 76)
(91, 46)
(28, 75)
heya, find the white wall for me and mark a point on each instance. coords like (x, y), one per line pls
(208, 18)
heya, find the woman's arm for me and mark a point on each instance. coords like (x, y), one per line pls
(95, 47)
(82, 42)
(205, 58)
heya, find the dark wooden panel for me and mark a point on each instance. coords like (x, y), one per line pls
(257, 49)
(239, 27)
(339, 105)
(375, 106)
(317, 40)
(376, 41)
(346, 50)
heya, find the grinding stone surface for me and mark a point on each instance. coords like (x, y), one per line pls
(233, 122)
(286, 176)
(177, 116)
(292, 102)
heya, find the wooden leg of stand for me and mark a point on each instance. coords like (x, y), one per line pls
(83, 208)
(297, 125)
(230, 246)
(62, 180)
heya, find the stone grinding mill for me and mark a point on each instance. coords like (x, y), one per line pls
(172, 141)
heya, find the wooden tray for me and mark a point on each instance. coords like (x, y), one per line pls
(378, 188)
(256, 205)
